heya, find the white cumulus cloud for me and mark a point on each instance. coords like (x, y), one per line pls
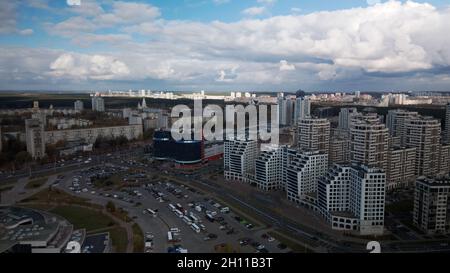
(285, 66)
(96, 67)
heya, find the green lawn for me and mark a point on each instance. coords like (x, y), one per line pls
(56, 196)
(119, 239)
(84, 218)
(138, 239)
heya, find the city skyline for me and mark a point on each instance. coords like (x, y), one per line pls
(221, 45)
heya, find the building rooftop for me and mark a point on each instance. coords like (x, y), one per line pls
(96, 243)
(23, 226)
(435, 181)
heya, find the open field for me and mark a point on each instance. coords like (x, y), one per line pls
(56, 196)
(84, 218)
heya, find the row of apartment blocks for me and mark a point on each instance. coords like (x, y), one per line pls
(307, 180)
(343, 173)
(37, 138)
(408, 146)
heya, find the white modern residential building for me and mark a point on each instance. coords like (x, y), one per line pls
(313, 134)
(282, 109)
(269, 168)
(78, 105)
(345, 117)
(401, 167)
(239, 160)
(35, 138)
(98, 104)
(286, 107)
(290, 108)
(424, 134)
(369, 140)
(301, 172)
(352, 198)
(431, 204)
(302, 108)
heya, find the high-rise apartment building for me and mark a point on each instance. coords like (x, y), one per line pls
(444, 159)
(313, 134)
(339, 147)
(424, 134)
(302, 108)
(431, 204)
(239, 159)
(447, 125)
(301, 173)
(369, 139)
(98, 104)
(353, 198)
(269, 168)
(345, 117)
(78, 105)
(290, 108)
(35, 139)
(282, 109)
(401, 167)
(396, 121)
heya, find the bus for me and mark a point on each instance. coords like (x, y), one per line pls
(187, 220)
(195, 228)
(179, 213)
(151, 212)
(172, 207)
(194, 218)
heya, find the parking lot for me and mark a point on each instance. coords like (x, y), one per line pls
(198, 223)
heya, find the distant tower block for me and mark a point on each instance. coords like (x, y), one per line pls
(36, 104)
(144, 104)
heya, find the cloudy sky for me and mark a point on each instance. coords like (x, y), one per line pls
(223, 45)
